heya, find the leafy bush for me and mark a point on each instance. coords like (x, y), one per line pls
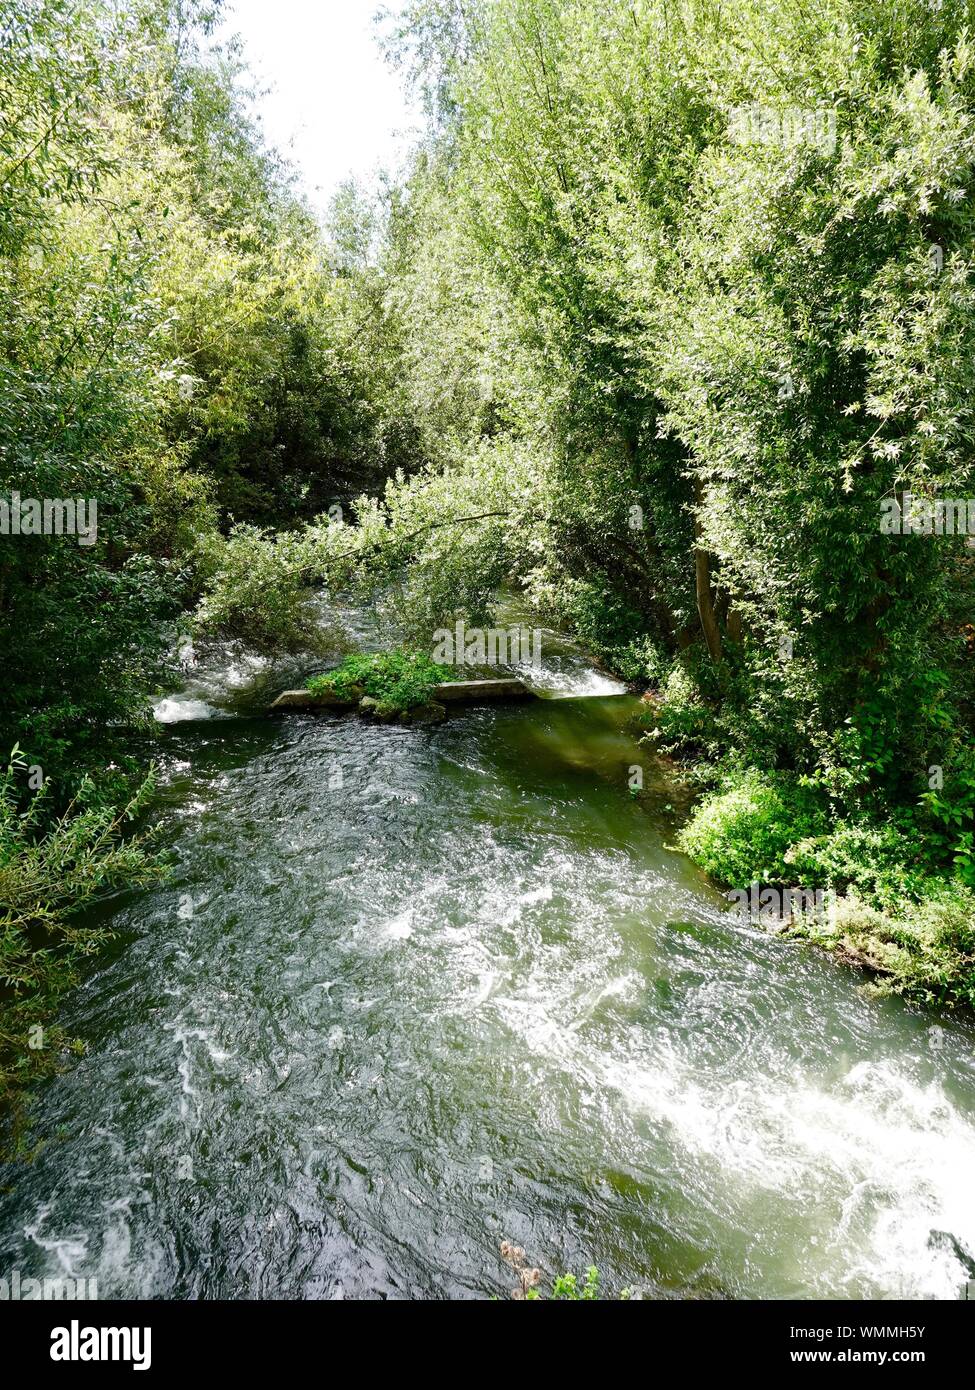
(399, 680)
(890, 913)
(951, 810)
(639, 661)
(682, 721)
(879, 862)
(256, 592)
(51, 867)
(743, 833)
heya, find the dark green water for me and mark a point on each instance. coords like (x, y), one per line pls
(413, 992)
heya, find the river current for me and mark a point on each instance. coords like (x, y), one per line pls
(412, 992)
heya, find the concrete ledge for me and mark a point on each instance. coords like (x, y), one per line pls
(456, 692)
(450, 693)
(305, 699)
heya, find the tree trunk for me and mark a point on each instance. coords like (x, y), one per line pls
(702, 586)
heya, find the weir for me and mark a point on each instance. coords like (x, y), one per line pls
(448, 692)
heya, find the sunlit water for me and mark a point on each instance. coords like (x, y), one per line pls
(411, 992)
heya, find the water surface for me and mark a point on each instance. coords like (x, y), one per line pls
(411, 992)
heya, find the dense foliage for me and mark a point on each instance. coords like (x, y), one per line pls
(51, 866)
(179, 342)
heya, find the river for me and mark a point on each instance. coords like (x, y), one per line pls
(412, 992)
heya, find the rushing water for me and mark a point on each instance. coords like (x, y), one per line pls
(412, 992)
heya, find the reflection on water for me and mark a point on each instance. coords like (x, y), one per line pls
(415, 991)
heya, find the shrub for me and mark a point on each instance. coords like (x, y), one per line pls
(256, 593)
(951, 811)
(682, 721)
(878, 861)
(743, 833)
(639, 662)
(52, 866)
(399, 680)
(915, 930)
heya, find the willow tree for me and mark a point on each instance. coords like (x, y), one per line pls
(734, 244)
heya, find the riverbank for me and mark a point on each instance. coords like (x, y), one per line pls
(892, 915)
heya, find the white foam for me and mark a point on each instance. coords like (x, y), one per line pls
(399, 928)
(893, 1159)
(175, 709)
(567, 684)
(68, 1250)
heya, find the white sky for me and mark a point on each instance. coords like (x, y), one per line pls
(335, 108)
